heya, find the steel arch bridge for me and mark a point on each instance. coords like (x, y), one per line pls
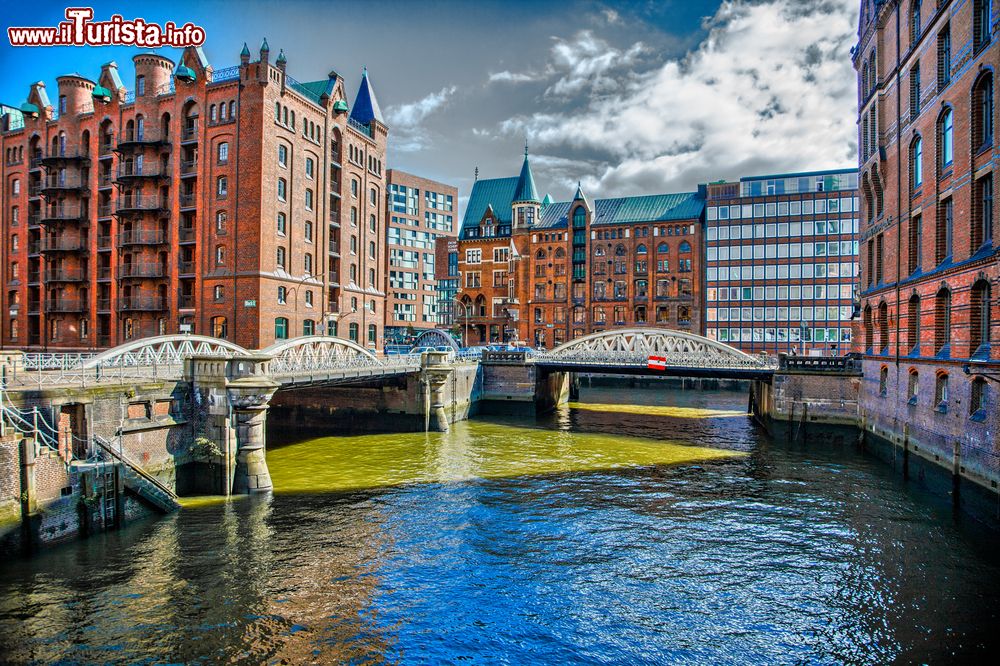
(435, 337)
(163, 351)
(627, 351)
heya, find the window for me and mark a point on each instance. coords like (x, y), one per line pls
(309, 199)
(914, 243)
(223, 152)
(946, 126)
(221, 186)
(869, 329)
(373, 196)
(309, 299)
(912, 387)
(282, 296)
(220, 254)
(982, 213)
(282, 187)
(308, 231)
(943, 232)
(307, 263)
(281, 328)
(371, 249)
(280, 258)
(308, 327)
(883, 327)
(977, 398)
(372, 224)
(944, 57)
(283, 156)
(979, 320)
(309, 167)
(473, 256)
(140, 86)
(982, 113)
(941, 392)
(942, 322)
(219, 328)
(913, 324)
(914, 21)
(883, 381)
(916, 165)
(354, 187)
(15, 187)
(218, 292)
(915, 91)
(282, 224)
(980, 24)
(352, 332)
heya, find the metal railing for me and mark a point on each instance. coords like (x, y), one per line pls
(364, 129)
(141, 202)
(226, 74)
(141, 271)
(31, 423)
(142, 237)
(64, 275)
(62, 244)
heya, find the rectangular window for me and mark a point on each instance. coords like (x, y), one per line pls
(914, 242)
(944, 56)
(943, 233)
(473, 256)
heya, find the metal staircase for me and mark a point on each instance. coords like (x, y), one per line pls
(138, 480)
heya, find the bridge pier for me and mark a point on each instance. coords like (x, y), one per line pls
(249, 398)
(436, 374)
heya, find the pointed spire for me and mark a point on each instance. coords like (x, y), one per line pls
(246, 51)
(281, 58)
(525, 190)
(580, 196)
(366, 107)
(264, 46)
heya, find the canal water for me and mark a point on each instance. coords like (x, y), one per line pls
(666, 530)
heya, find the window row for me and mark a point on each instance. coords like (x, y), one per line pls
(782, 272)
(782, 209)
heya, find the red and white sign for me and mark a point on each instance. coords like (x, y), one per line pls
(657, 363)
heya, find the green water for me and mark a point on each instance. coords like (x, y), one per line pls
(477, 450)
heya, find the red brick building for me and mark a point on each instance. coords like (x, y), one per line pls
(420, 211)
(929, 250)
(545, 272)
(212, 201)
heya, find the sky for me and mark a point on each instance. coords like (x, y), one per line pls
(640, 97)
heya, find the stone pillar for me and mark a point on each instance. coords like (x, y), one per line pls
(436, 373)
(249, 397)
(574, 387)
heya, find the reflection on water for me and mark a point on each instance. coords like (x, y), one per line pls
(645, 534)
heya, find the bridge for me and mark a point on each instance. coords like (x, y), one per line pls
(681, 354)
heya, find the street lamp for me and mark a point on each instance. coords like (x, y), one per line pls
(466, 308)
(295, 303)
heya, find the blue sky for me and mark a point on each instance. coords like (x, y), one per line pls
(636, 97)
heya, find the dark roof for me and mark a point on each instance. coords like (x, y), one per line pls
(526, 183)
(628, 210)
(495, 192)
(804, 174)
(365, 105)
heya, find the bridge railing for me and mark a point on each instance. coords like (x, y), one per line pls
(633, 359)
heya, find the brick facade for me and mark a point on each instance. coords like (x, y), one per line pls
(930, 252)
(201, 200)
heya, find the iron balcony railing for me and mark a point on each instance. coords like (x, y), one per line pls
(185, 267)
(34, 218)
(63, 153)
(141, 271)
(190, 131)
(104, 241)
(146, 136)
(187, 199)
(158, 170)
(189, 167)
(60, 213)
(103, 304)
(186, 234)
(106, 148)
(35, 189)
(142, 304)
(104, 179)
(104, 272)
(334, 217)
(64, 275)
(364, 129)
(138, 202)
(142, 237)
(334, 247)
(185, 300)
(36, 161)
(65, 305)
(63, 244)
(226, 74)
(104, 210)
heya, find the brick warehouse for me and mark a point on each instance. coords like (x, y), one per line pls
(122, 208)
(419, 213)
(544, 272)
(930, 268)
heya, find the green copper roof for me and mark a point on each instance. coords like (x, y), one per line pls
(185, 73)
(340, 106)
(630, 210)
(312, 90)
(264, 46)
(526, 182)
(547, 200)
(245, 51)
(101, 92)
(29, 108)
(580, 196)
(496, 192)
(281, 57)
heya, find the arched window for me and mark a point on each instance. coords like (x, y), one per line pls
(915, 91)
(914, 21)
(662, 248)
(981, 28)
(212, 114)
(941, 391)
(641, 249)
(280, 258)
(883, 327)
(620, 251)
(220, 222)
(979, 320)
(219, 327)
(913, 324)
(913, 386)
(599, 252)
(685, 248)
(883, 381)
(946, 147)
(232, 109)
(281, 328)
(277, 112)
(223, 152)
(580, 217)
(560, 253)
(916, 164)
(220, 255)
(869, 329)
(977, 398)
(942, 322)
(982, 113)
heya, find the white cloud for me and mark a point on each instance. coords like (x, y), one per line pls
(410, 115)
(770, 88)
(513, 77)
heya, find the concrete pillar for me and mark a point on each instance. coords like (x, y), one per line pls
(574, 387)
(436, 374)
(249, 398)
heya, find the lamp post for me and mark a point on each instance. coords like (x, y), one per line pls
(466, 307)
(295, 302)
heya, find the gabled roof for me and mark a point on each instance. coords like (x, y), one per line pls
(110, 71)
(495, 192)
(366, 107)
(312, 90)
(628, 210)
(526, 182)
(580, 196)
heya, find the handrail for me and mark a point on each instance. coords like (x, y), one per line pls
(135, 467)
(37, 428)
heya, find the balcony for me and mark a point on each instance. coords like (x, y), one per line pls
(104, 305)
(35, 162)
(141, 271)
(65, 305)
(132, 172)
(185, 301)
(141, 204)
(189, 168)
(334, 218)
(334, 248)
(189, 133)
(60, 155)
(106, 149)
(142, 304)
(185, 267)
(187, 200)
(138, 140)
(104, 180)
(34, 190)
(142, 237)
(34, 219)
(104, 210)
(63, 244)
(104, 272)
(104, 241)
(34, 277)
(63, 184)
(187, 234)
(65, 275)
(61, 214)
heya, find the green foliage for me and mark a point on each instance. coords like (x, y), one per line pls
(204, 449)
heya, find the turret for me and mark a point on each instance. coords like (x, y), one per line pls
(281, 62)
(245, 55)
(152, 73)
(526, 207)
(265, 51)
(74, 94)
